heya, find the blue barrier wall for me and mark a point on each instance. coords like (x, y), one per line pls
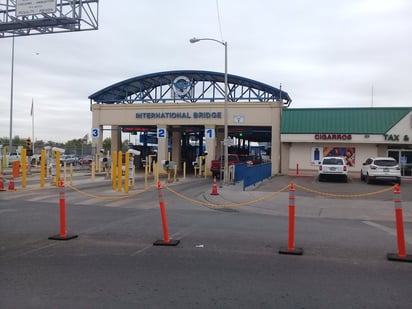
(251, 175)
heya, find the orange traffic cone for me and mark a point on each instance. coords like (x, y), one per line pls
(11, 184)
(214, 188)
(1, 182)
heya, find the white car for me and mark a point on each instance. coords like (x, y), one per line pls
(11, 157)
(381, 168)
(333, 167)
(69, 159)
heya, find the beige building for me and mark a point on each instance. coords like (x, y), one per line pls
(170, 104)
(179, 105)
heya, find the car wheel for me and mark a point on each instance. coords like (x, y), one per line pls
(345, 179)
(362, 178)
(320, 178)
(368, 179)
(398, 181)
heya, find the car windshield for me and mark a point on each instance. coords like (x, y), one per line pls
(332, 161)
(386, 162)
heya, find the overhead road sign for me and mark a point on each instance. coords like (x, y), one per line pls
(32, 7)
(31, 17)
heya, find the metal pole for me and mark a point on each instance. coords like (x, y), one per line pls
(32, 125)
(225, 112)
(11, 98)
(226, 154)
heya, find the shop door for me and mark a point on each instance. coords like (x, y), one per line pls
(404, 157)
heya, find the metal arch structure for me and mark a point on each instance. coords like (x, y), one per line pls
(69, 15)
(199, 86)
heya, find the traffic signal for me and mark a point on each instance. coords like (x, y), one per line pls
(28, 143)
(29, 149)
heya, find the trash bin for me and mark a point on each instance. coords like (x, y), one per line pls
(16, 169)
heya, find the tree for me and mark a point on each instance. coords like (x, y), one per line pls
(107, 144)
(125, 145)
(74, 146)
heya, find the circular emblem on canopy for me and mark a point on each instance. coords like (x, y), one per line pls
(181, 85)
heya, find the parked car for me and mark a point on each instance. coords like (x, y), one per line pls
(381, 168)
(35, 159)
(69, 159)
(333, 167)
(216, 166)
(86, 160)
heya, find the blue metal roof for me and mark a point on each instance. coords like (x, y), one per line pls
(202, 86)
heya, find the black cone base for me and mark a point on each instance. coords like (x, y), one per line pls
(294, 251)
(172, 242)
(67, 237)
(396, 257)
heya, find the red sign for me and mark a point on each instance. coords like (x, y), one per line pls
(134, 129)
(336, 137)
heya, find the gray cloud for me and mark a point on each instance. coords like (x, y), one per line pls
(325, 53)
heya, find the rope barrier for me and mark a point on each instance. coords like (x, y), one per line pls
(227, 204)
(344, 195)
(210, 204)
(109, 198)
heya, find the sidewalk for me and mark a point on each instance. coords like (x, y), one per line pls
(272, 202)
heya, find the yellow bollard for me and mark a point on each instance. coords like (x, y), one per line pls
(156, 173)
(71, 174)
(57, 176)
(23, 168)
(47, 162)
(93, 170)
(119, 171)
(146, 174)
(4, 157)
(184, 170)
(126, 172)
(114, 171)
(65, 171)
(42, 168)
(151, 161)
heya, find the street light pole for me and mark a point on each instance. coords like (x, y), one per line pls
(225, 112)
(11, 98)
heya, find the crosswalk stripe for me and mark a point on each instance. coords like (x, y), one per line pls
(51, 197)
(92, 201)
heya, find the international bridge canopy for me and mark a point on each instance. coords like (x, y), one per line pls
(188, 86)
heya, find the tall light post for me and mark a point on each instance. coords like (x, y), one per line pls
(11, 98)
(225, 113)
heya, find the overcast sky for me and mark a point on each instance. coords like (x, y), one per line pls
(324, 53)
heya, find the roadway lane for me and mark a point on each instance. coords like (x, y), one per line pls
(228, 257)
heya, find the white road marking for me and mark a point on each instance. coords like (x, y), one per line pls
(388, 230)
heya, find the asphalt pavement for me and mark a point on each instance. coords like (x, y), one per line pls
(228, 251)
